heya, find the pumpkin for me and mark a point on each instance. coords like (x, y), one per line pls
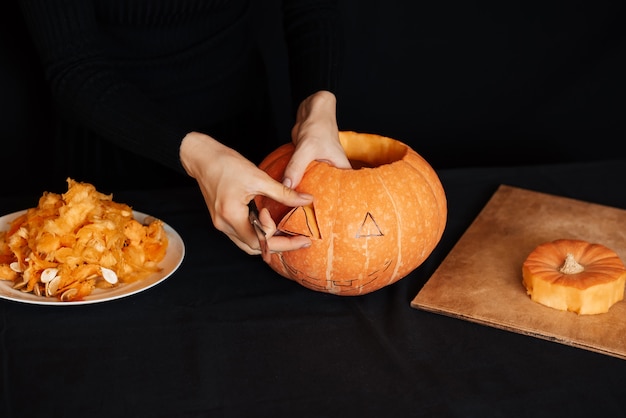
(370, 225)
(574, 275)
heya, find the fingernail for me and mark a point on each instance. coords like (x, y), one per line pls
(287, 182)
(307, 245)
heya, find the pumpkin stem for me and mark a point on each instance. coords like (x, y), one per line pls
(571, 266)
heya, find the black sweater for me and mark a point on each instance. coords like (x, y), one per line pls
(141, 74)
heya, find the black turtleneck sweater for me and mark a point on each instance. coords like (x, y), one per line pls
(133, 77)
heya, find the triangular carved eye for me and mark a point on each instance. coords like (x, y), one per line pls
(369, 228)
(300, 221)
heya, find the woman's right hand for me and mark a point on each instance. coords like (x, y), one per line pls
(228, 181)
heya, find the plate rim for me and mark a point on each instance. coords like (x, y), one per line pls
(100, 295)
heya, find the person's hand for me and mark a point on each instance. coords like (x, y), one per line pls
(228, 182)
(316, 137)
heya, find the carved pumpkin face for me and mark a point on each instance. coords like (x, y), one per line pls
(369, 226)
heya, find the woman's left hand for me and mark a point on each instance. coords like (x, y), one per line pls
(316, 137)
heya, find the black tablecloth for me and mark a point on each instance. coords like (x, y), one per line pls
(225, 336)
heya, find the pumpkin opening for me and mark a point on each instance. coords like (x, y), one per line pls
(372, 151)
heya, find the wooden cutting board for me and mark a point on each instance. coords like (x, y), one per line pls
(480, 280)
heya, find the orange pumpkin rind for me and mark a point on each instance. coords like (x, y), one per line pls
(574, 275)
(369, 226)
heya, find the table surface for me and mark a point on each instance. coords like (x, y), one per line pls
(226, 336)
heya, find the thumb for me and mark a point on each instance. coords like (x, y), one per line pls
(293, 172)
(288, 196)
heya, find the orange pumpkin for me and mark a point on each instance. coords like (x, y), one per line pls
(370, 226)
(574, 275)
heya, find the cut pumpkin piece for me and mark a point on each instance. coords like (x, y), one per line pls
(574, 275)
(300, 221)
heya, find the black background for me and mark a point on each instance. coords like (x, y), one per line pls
(465, 84)
(487, 83)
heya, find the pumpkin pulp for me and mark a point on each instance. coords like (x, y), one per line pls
(364, 152)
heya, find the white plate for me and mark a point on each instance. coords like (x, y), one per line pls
(170, 263)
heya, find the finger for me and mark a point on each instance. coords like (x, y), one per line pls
(276, 244)
(247, 241)
(293, 173)
(297, 166)
(245, 237)
(262, 228)
(285, 195)
(279, 243)
(267, 222)
(283, 243)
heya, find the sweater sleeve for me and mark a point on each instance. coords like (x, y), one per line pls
(314, 46)
(86, 85)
